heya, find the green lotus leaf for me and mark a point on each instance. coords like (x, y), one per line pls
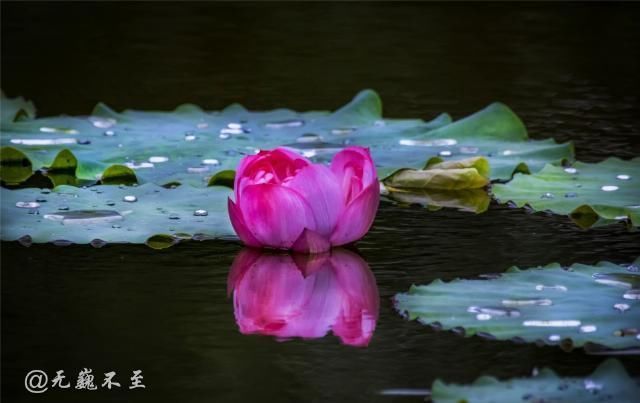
(494, 132)
(15, 166)
(114, 214)
(118, 175)
(443, 179)
(609, 382)
(189, 145)
(15, 109)
(223, 178)
(591, 194)
(481, 164)
(161, 241)
(470, 200)
(65, 161)
(578, 306)
(469, 173)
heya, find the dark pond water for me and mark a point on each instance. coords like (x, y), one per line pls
(570, 71)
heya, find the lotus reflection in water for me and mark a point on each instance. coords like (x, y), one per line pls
(305, 296)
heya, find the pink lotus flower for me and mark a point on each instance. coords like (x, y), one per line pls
(284, 201)
(304, 296)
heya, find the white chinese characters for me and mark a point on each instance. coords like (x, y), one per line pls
(36, 381)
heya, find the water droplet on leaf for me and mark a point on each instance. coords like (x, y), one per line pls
(494, 311)
(211, 161)
(541, 287)
(197, 170)
(44, 142)
(141, 165)
(309, 138)
(469, 150)
(626, 280)
(551, 323)
(429, 143)
(283, 124)
(85, 216)
(343, 131)
(102, 123)
(525, 302)
(158, 159)
(633, 294)
(30, 205)
(588, 328)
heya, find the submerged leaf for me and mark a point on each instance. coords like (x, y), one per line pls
(591, 194)
(609, 382)
(576, 306)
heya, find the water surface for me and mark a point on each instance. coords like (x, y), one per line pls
(570, 71)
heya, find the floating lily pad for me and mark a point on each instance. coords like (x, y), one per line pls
(15, 109)
(591, 194)
(115, 214)
(189, 145)
(609, 382)
(599, 305)
(494, 132)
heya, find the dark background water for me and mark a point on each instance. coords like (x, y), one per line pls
(569, 70)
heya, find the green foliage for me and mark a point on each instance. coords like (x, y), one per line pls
(189, 145)
(15, 109)
(65, 161)
(554, 305)
(118, 175)
(15, 167)
(470, 173)
(609, 382)
(591, 194)
(161, 241)
(115, 214)
(223, 178)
